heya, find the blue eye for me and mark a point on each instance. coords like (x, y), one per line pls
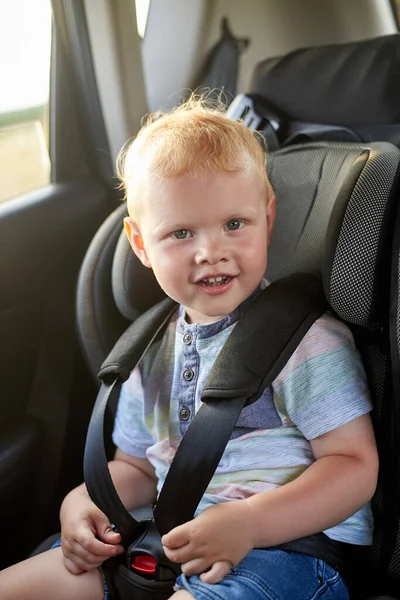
(234, 224)
(181, 234)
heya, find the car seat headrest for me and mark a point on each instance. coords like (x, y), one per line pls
(134, 286)
(334, 208)
(368, 70)
(334, 203)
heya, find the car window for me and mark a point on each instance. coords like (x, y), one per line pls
(142, 12)
(25, 48)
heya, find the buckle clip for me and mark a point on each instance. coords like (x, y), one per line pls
(145, 565)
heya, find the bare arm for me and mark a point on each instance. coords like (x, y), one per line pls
(342, 479)
(134, 479)
(87, 537)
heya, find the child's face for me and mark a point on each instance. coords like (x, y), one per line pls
(206, 239)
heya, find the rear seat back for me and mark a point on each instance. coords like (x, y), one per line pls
(347, 92)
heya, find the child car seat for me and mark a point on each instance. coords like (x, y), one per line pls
(335, 212)
(353, 187)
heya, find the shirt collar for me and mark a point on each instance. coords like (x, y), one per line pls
(210, 329)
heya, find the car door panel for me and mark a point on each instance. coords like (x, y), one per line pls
(43, 239)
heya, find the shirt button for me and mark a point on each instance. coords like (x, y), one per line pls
(188, 374)
(187, 338)
(184, 413)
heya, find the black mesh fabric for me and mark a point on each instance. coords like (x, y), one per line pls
(322, 188)
(393, 428)
(353, 282)
(397, 305)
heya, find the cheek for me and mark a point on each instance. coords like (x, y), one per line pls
(252, 256)
(166, 263)
(253, 246)
(171, 273)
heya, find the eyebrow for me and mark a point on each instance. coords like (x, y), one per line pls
(164, 229)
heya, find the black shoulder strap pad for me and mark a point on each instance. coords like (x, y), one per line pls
(266, 336)
(132, 344)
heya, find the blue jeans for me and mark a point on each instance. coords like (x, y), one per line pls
(268, 575)
(272, 575)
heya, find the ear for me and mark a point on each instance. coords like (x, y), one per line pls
(136, 241)
(271, 214)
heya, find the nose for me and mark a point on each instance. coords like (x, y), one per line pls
(211, 250)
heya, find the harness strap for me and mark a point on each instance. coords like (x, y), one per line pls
(116, 369)
(133, 344)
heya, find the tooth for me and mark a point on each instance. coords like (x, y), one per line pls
(211, 279)
(218, 279)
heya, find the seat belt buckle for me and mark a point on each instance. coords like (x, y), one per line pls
(149, 568)
(145, 556)
(144, 565)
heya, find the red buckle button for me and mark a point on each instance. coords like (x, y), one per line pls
(144, 564)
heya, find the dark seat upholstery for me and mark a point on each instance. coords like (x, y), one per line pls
(353, 85)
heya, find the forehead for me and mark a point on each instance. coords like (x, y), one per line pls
(199, 189)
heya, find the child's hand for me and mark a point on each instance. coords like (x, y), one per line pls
(81, 523)
(218, 538)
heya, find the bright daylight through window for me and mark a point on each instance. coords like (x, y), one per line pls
(142, 12)
(25, 47)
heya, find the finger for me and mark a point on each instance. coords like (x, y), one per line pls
(85, 563)
(179, 555)
(218, 571)
(195, 566)
(88, 560)
(109, 536)
(99, 548)
(76, 565)
(72, 567)
(104, 530)
(92, 545)
(176, 537)
(76, 554)
(92, 559)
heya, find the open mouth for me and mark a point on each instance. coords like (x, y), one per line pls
(215, 281)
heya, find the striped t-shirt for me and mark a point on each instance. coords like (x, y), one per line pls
(322, 387)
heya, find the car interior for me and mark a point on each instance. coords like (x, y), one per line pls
(319, 80)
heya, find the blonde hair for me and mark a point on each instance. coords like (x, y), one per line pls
(195, 138)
